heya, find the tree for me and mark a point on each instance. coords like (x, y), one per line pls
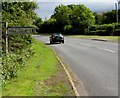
(18, 14)
(15, 12)
(109, 17)
(78, 16)
(61, 14)
(81, 17)
(48, 26)
(98, 18)
(37, 22)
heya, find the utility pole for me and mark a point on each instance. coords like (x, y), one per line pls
(116, 7)
(118, 10)
(45, 18)
(6, 39)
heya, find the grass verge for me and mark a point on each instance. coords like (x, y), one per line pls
(42, 76)
(109, 38)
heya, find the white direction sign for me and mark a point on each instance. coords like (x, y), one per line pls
(20, 30)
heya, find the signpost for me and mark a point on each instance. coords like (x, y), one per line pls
(16, 30)
(6, 39)
(20, 30)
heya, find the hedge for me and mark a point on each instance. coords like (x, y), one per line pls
(117, 32)
(105, 29)
(12, 62)
(20, 49)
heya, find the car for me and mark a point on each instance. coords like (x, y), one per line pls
(56, 37)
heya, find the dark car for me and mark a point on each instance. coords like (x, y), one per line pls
(56, 37)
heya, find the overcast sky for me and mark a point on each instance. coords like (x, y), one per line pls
(46, 8)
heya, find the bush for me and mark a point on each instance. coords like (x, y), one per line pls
(101, 32)
(100, 27)
(117, 25)
(68, 29)
(19, 42)
(104, 30)
(109, 29)
(92, 33)
(93, 28)
(12, 62)
(10, 66)
(20, 49)
(117, 32)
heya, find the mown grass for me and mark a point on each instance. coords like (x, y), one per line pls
(110, 38)
(30, 81)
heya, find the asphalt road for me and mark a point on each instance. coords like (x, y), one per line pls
(94, 62)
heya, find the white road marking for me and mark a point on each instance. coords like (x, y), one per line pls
(99, 48)
(106, 49)
(109, 50)
(85, 45)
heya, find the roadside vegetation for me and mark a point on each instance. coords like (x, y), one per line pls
(109, 38)
(42, 75)
(19, 46)
(80, 20)
(30, 68)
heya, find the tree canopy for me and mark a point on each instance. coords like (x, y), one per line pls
(109, 17)
(76, 16)
(19, 13)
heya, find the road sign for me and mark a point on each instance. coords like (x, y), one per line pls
(20, 30)
(16, 30)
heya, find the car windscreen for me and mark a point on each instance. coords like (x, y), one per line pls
(57, 34)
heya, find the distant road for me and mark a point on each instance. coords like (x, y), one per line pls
(94, 62)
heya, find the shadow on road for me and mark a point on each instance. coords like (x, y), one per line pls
(47, 44)
(51, 44)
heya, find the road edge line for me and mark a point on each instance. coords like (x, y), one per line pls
(68, 74)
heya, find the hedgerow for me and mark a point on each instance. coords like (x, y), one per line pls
(16, 14)
(20, 49)
(105, 29)
(12, 62)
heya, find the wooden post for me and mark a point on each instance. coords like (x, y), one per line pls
(6, 39)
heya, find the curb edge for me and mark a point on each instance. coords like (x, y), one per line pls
(67, 73)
